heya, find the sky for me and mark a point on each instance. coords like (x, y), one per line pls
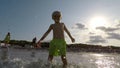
(89, 21)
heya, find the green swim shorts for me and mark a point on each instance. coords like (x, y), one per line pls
(57, 47)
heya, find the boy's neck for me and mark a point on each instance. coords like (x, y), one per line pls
(57, 22)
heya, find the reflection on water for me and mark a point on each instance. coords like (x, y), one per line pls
(98, 55)
(105, 61)
(23, 58)
(4, 53)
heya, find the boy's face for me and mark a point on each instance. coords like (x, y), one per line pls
(57, 18)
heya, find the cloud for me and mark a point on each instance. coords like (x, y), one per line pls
(96, 39)
(109, 29)
(113, 36)
(118, 24)
(91, 33)
(117, 21)
(79, 26)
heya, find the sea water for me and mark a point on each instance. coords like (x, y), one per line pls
(37, 58)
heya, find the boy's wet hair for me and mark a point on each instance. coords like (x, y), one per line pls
(56, 14)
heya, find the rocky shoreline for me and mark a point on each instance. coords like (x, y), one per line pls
(77, 48)
(93, 48)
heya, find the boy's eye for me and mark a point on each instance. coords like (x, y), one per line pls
(56, 16)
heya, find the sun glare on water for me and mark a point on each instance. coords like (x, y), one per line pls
(97, 21)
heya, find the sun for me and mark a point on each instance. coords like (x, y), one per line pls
(97, 21)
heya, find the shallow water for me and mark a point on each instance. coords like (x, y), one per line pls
(34, 58)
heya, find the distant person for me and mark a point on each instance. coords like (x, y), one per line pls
(5, 49)
(34, 45)
(7, 39)
(57, 45)
(34, 42)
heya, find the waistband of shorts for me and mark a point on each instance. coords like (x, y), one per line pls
(59, 39)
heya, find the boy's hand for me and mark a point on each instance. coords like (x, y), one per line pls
(38, 42)
(72, 39)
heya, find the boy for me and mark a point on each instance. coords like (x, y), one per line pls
(57, 45)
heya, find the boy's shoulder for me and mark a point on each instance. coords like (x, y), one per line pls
(62, 23)
(51, 25)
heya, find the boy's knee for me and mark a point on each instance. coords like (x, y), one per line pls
(50, 57)
(63, 57)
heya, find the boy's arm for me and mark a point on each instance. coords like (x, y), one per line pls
(46, 33)
(66, 30)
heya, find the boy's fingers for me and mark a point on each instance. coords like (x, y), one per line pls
(73, 40)
(38, 42)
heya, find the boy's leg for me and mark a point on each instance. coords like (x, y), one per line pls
(64, 60)
(50, 58)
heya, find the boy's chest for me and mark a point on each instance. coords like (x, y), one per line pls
(58, 27)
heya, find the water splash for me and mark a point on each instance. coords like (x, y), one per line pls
(19, 63)
(22, 58)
